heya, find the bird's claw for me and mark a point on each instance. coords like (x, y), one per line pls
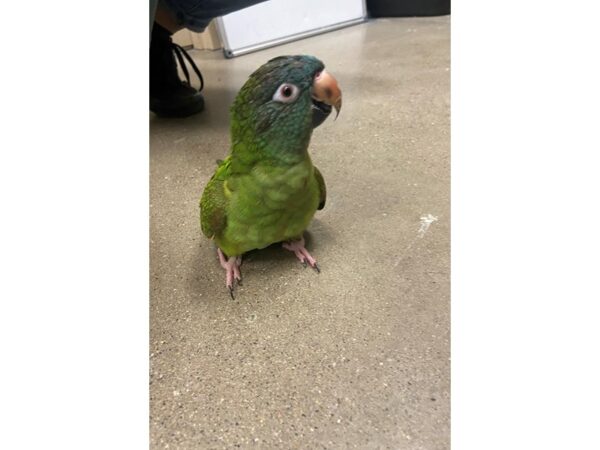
(231, 287)
(232, 271)
(315, 266)
(301, 253)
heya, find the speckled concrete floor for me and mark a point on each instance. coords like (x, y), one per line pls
(358, 356)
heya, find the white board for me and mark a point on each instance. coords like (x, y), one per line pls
(277, 21)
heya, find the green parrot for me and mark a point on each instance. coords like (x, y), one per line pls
(267, 190)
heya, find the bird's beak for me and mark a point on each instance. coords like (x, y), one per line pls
(325, 90)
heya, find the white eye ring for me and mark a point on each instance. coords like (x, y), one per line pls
(286, 93)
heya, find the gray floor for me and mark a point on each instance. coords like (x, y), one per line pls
(357, 356)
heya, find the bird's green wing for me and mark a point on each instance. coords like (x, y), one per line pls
(322, 189)
(213, 204)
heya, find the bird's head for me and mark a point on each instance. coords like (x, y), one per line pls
(284, 99)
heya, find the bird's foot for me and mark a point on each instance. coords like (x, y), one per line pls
(301, 253)
(232, 270)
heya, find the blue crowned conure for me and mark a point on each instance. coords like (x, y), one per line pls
(267, 190)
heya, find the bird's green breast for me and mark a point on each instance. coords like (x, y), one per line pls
(269, 204)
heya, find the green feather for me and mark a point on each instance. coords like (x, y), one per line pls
(267, 190)
(322, 189)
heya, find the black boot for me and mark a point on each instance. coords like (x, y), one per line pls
(169, 95)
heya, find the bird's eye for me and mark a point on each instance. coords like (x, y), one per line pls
(286, 93)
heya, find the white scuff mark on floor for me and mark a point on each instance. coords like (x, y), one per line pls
(426, 222)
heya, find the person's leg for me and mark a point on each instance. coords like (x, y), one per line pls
(169, 95)
(165, 18)
(153, 5)
(195, 15)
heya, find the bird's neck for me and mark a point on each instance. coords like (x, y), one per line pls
(278, 148)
